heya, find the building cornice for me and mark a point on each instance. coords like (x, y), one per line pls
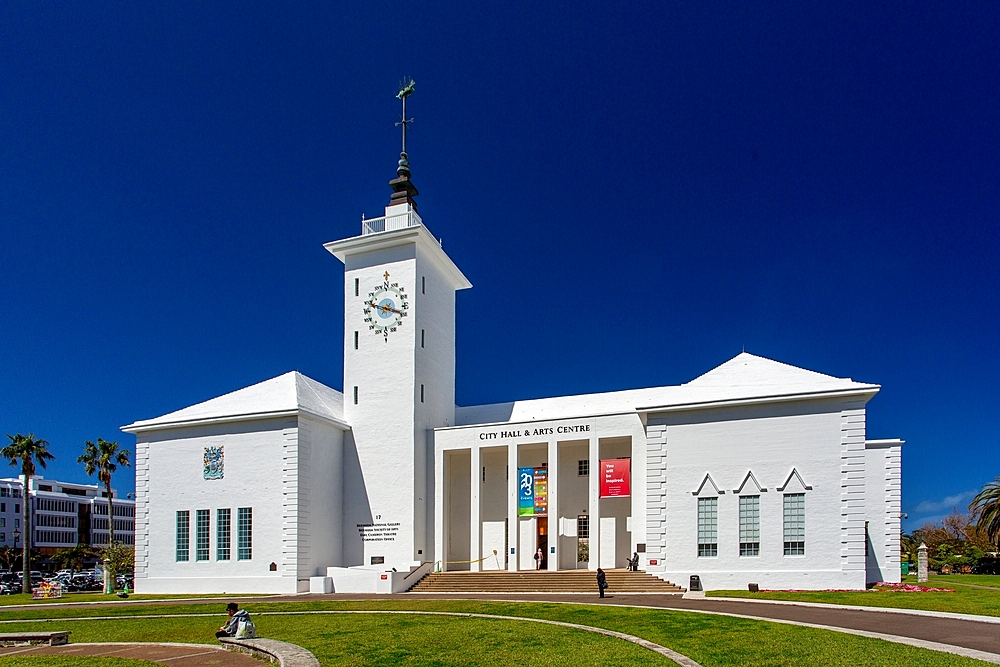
(140, 427)
(417, 234)
(867, 391)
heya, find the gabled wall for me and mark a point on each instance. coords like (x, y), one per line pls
(819, 440)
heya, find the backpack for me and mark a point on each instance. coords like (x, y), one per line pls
(245, 630)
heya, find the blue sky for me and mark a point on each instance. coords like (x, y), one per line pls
(817, 184)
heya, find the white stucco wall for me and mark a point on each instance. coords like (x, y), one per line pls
(818, 439)
(883, 477)
(171, 468)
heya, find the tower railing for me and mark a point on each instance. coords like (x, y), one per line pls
(390, 223)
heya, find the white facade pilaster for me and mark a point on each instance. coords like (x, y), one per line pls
(553, 506)
(512, 558)
(595, 503)
(475, 528)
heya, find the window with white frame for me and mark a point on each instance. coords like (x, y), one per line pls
(223, 534)
(183, 535)
(708, 527)
(795, 524)
(749, 525)
(201, 534)
(244, 533)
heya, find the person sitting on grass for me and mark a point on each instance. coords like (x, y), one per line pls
(233, 627)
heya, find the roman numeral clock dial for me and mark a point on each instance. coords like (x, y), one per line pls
(385, 308)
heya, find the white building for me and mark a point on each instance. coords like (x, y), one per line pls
(63, 514)
(755, 472)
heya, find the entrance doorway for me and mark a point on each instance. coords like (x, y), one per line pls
(542, 540)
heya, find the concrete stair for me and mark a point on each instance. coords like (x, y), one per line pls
(533, 581)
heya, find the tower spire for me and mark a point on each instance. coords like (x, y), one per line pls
(403, 190)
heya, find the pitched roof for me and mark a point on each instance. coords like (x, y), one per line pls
(290, 393)
(744, 377)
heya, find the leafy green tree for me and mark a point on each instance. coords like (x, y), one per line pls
(986, 508)
(120, 560)
(74, 557)
(104, 459)
(26, 451)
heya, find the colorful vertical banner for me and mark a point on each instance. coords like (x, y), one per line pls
(526, 491)
(616, 478)
(541, 491)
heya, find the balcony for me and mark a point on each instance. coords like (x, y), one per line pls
(390, 223)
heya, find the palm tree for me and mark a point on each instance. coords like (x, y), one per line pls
(29, 451)
(104, 459)
(986, 508)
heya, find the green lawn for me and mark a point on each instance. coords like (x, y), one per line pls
(375, 639)
(21, 598)
(964, 600)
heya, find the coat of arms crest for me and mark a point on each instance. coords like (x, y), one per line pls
(214, 463)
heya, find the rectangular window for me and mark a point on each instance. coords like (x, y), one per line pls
(421, 338)
(3, 507)
(421, 393)
(749, 525)
(244, 533)
(423, 285)
(583, 467)
(183, 535)
(357, 286)
(3, 522)
(583, 527)
(795, 524)
(3, 537)
(222, 534)
(708, 527)
(355, 340)
(201, 535)
(355, 394)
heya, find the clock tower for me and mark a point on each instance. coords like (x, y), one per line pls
(399, 378)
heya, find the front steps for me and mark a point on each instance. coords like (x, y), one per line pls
(535, 581)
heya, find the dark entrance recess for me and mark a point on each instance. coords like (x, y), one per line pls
(543, 540)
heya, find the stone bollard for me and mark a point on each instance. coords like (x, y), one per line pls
(922, 563)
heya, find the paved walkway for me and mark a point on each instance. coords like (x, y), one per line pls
(175, 655)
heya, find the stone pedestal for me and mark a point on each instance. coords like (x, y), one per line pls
(922, 563)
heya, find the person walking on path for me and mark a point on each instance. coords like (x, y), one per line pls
(602, 581)
(236, 615)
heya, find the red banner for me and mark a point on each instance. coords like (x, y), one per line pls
(616, 478)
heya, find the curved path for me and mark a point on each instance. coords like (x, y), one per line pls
(175, 655)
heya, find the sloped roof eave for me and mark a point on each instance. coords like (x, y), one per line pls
(861, 390)
(155, 425)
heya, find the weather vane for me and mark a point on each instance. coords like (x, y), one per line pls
(405, 90)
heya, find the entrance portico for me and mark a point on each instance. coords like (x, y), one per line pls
(504, 490)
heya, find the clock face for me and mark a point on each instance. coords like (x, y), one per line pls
(385, 308)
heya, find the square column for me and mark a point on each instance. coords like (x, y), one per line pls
(552, 558)
(594, 510)
(512, 508)
(440, 498)
(474, 528)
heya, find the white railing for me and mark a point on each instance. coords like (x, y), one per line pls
(390, 223)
